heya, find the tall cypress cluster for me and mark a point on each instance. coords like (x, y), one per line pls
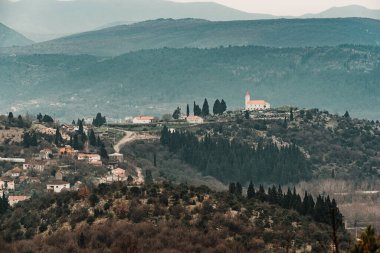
(234, 161)
(324, 210)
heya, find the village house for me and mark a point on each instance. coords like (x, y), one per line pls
(252, 105)
(89, 157)
(57, 185)
(118, 173)
(46, 154)
(143, 120)
(116, 157)
(13, 200)
(34, 165)
(15, 172)
(7, 183)
(67, 150)
(194, 120)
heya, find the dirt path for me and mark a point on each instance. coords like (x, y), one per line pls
(130, 137)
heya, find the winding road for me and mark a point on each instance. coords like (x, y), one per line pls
(130, 137)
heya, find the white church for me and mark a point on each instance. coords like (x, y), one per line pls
(252, 105)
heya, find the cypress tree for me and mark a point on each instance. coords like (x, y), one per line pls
(92, 138)
(217, 109)
(223, 106)
(58, 137)
(205, 108)
(232, 188)
(291, 115)
(251, 191)
(239, 189)
(187, 110)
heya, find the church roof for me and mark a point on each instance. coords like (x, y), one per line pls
(257, 102)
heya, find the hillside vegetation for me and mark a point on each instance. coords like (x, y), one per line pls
(159, 218)
(197, 33)
(325, 77)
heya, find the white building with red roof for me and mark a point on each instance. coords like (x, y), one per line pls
(252, 105)
(143, 120)
(194, 120)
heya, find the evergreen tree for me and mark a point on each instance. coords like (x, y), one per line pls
(92, 138)
(99, 120)
(205, 108)
(82, 241)
(80, 127)
(217, 108)
(291, 115)
(103, 153)
(47, 119)
(250, 191)
(58, 137)
(246, 114)
(346, 115)
(239, 189)
(223, 106)
(26, 140)
(232, 188)
(148, 177)
(187, 110)
(155, 160)
(39, 117)
(73, 123)
(176, 113)
(10, 116)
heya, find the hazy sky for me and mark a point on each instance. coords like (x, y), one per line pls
(289, 7)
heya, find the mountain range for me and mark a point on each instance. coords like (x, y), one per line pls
(10, 38)
(197, 33)
(46, 19)
(154, 82)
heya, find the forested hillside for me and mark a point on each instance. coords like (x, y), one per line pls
(197, 33)
(168, 218)
(325, 77)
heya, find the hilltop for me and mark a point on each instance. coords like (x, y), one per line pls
(197, 33)
(10, 38)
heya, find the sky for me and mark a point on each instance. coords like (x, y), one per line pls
(289, 7)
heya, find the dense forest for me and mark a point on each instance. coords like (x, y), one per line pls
(233, 161)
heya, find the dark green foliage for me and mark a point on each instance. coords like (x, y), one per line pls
(216, 108)
(99, 120)
(82, 241)
(323, 211)
(92, 138)
(148, 177)
(205, 108)
(58, 140)
(291, 118)
(246, 115)
(239, 162)
(103, 153)
(10, 116)
(30, 139)
(346, 115)
(197, 110)
(187, 110)
(47, 119)
(251, 191)
(176, 113)
(4, 204)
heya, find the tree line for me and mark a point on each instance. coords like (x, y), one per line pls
(233, 161)
(323, 210)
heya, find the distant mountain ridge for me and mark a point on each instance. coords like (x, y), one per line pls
(346, 12)
(199, 33)
(44, 19)
(10, 38)
(154, 82)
